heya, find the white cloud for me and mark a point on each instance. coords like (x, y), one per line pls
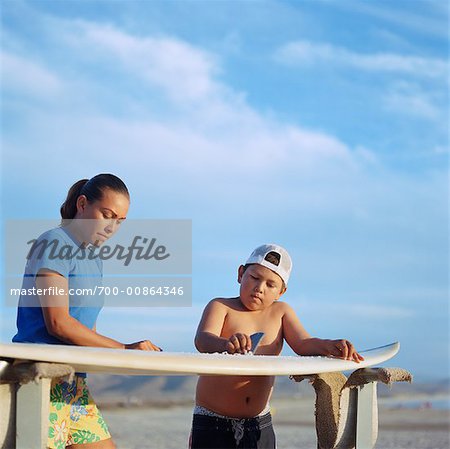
(380, 312)
(216, 142)
(392, 40)
(410, 99)
(207, 120)
(441, 149)
(183, 71)
(433, 23)
(240, 174)
(306, 53)
(262, 148)
(356, 310)
(20, 74)
(441, 8)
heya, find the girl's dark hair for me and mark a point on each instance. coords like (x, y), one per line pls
(93, 190)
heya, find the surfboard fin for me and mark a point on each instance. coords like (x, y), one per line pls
(256, 339)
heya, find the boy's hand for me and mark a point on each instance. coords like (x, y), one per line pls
(342, 349)
(240, 343)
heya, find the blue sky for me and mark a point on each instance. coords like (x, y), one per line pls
(322, 126)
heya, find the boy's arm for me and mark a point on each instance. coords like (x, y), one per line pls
(303, 344)
(208, 337)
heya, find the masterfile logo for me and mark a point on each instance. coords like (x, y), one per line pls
(54, 249)
(144, 263)
(157, 247)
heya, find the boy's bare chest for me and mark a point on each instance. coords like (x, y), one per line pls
(249, 323)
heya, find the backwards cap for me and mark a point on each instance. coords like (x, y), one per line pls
(273, 257)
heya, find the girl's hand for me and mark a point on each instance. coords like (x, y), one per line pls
(342, 349)
(240, 343)
(144, 345)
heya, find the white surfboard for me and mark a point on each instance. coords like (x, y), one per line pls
(133, 362)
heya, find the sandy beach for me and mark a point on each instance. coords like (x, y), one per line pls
(168, 428)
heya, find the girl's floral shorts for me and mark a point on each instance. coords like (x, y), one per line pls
(74, 417)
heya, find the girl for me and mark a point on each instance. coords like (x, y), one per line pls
(91, 213)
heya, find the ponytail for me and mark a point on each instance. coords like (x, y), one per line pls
(93, 190)
(68, 209)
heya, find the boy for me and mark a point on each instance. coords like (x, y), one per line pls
(233, 411)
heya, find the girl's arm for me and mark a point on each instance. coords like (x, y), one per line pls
(61, 325)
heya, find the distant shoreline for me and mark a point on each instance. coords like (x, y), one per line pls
(148, 404)
(401, 402)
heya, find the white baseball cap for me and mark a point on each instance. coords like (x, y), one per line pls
(273, 257)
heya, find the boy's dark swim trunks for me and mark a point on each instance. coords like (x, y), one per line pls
(214, 432)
